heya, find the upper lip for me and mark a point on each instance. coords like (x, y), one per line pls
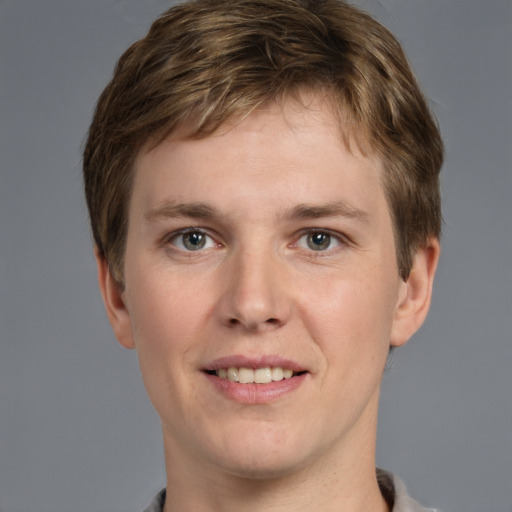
(238, 361)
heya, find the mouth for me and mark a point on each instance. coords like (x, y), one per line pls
(263, 375)
(255, 380)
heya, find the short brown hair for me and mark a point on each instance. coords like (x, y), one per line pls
(206, 61)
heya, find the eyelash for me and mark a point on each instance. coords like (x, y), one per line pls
(173, 237)
(339, 239)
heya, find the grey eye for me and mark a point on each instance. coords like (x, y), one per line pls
(193, 241)
(318, 241)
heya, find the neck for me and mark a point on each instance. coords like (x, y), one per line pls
(234, 494)
(331, 487)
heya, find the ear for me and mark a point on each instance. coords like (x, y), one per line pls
(113, 298)
(415, 294)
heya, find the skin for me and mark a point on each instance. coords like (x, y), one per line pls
(258, 191)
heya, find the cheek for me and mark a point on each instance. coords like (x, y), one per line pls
(161, 301)
(350, 318)
(165, 313)
(165, 319)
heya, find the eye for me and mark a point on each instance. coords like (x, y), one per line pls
(193, 240)
(318, 241)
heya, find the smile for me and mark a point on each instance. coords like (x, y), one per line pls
(255, 380)
(263, 375)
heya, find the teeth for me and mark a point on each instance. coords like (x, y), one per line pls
(263, 375)
(259, 376)
(232, 374)
(277, 374)
(245, 375)
(287, 374)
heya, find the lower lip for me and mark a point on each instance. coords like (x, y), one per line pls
(256, 393)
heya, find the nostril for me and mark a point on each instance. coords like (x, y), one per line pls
(269, 323)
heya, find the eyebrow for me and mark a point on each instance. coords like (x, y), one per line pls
(197, 210)
(335, 209)
(171, 210)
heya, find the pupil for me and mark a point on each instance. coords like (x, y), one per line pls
(317, 241)
(194, 241)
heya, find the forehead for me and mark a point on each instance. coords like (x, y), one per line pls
(297, 110)
(290, 152)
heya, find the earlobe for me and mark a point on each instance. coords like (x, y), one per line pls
(415, 294)
(113, 300)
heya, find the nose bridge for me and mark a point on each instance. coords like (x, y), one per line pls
(255, 296)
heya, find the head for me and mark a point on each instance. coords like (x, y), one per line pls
(206, 63)
(262, 179)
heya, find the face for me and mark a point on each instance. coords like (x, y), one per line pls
(262, 293)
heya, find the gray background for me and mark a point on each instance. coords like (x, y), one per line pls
(76, 430)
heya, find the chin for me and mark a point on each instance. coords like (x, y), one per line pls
(262, 470)
(263, 461)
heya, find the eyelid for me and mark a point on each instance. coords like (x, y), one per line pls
(171, 237)
(340, 238)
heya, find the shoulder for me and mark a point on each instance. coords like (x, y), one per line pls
(392, 488)
(395, 493)
(157, 504)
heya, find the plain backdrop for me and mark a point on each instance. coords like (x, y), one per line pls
(77, 433)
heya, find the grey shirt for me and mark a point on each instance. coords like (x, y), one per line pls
(392, 488)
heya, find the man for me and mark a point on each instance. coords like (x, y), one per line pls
(262, 182)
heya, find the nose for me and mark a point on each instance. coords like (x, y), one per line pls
(255, 295)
